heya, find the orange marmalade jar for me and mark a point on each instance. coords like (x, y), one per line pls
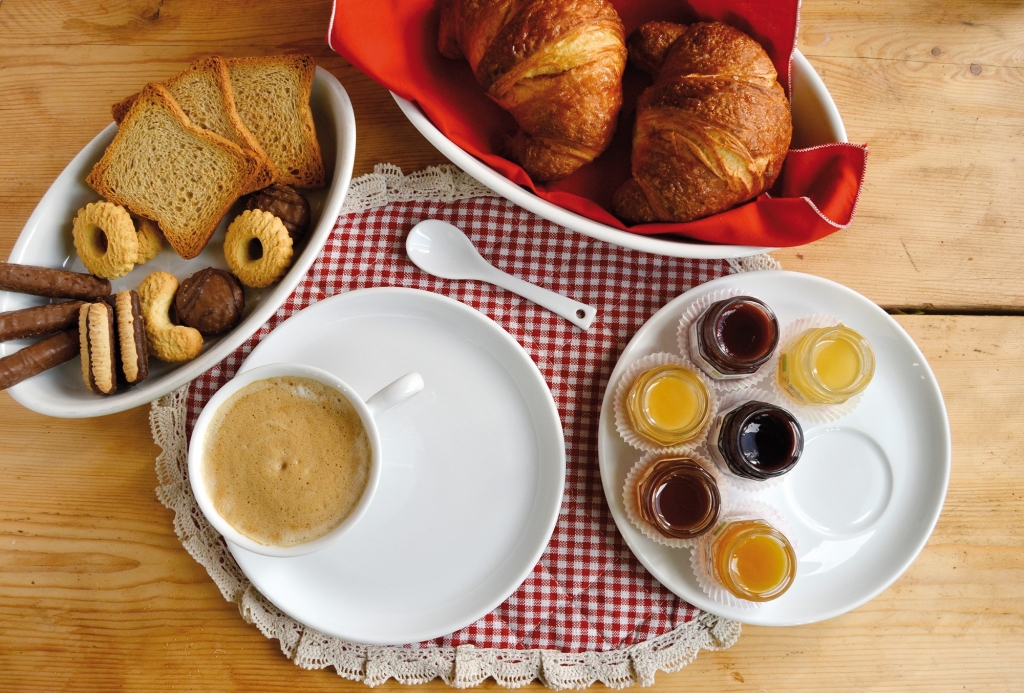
(751, 559)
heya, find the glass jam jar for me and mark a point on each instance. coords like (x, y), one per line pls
(751, 559)
(668, 405)
(734, 337)
(678, 497)
(826, 365)
(759, 441)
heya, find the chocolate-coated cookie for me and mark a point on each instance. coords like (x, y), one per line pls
(211, 301)
(131, 336)
(99, 347)
(287, 204)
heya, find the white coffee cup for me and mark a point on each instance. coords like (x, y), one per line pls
(386, 399)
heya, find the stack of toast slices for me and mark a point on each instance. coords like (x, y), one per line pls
(186, 149)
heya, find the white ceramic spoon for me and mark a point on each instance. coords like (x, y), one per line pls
(441, 249)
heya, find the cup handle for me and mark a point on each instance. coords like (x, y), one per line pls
(394, 394)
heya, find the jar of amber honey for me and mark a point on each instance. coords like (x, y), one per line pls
(751, 559)
(826, 365)
(734, 337)
(668, 405)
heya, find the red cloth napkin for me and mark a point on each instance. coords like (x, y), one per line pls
(395, 43)
(588, 592)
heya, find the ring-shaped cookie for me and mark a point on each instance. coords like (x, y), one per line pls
(262, 232)
(105, 239)
(151, 240)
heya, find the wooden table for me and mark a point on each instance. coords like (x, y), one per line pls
(96, 593)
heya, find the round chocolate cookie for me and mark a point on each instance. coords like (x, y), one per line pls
(211, 301)
(287, 204)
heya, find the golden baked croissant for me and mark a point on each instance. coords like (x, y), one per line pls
(713, 129)
(555, 65)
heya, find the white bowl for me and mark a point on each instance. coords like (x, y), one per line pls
(46, 241)
(815, 121)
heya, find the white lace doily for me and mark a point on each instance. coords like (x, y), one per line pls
(462, 666)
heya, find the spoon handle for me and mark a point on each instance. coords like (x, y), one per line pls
(579, 314)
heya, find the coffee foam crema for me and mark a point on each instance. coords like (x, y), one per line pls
(286, 460)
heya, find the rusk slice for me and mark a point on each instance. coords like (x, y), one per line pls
(204, 93)
(163, 167)
(272, 98)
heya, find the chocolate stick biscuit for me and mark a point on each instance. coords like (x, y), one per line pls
(38, 357)
(40, 320)
(52, 283)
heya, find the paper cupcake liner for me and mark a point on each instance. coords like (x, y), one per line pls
(622, 424)
(690, 316)
(810, 413)
(728, 402)
(629, 493)
(743, 509)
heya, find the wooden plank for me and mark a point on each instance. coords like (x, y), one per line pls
(97, 594)
(935, 91)
(290, 26)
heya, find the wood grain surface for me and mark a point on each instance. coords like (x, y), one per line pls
(97, 594)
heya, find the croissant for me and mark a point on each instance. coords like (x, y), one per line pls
(555, 65)
(713, 129)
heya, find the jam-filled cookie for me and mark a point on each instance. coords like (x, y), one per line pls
(257, 248)
(167, 341)
(99, 347)
(105, 239)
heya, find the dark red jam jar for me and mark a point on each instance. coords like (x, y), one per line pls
(759, 441)
(734, 337)
(679, 498)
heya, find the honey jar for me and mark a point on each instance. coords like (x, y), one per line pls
(668, 405)
(826, 365)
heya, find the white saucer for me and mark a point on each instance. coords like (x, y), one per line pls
(472, 478)
(866, 494)
(46, 241)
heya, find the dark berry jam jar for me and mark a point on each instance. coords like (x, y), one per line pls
(734, 337)
(678, 497)
(759, 441)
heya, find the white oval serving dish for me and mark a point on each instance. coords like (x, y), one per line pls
(46, 241)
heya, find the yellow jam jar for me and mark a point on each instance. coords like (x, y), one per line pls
(826, 365)
(668, 405)
(752, 560)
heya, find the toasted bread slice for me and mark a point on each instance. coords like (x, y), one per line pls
(163, 167)
(204, 93)
(272, 98)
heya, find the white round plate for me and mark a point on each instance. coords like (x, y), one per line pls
(816, 121)
(867, 491)
(46, 241)
(472, 477)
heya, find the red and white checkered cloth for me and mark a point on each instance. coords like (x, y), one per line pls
(588, 592)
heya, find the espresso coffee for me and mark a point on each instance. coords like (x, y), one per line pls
(286, 460)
